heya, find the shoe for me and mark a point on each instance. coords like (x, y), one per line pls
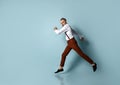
(59, 70)
(94, 67)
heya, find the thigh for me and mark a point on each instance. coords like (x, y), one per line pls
(67, 50)
(76, 47)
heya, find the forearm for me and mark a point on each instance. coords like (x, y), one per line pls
(76, 33)
(63, 29)
(57, 31)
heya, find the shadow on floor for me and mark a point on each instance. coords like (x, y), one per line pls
(61, 79)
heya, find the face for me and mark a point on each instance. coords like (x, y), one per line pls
(63, 22)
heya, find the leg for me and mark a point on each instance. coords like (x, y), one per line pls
(81, 53)
(64, 54)
(63, 58)
(73, 44)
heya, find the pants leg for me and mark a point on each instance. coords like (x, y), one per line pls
(64, 54)
(80, 52)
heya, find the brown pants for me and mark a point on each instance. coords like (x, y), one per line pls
(72, 44)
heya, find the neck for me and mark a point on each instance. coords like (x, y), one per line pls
(64, 24)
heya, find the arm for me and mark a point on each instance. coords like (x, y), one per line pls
(63, 29)
(76, 33)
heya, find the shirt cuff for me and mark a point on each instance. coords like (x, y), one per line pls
(56, 31)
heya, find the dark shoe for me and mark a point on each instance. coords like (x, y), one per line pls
(94, 67)
(59, 70)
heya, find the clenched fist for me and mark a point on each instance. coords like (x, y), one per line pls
(82, 38)
(55, 28)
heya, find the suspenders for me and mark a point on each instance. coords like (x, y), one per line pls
(67, 35)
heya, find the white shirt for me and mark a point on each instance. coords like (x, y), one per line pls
(66, 28)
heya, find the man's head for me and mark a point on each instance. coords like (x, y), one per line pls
(63, 21)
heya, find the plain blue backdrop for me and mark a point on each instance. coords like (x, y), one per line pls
(30, 51)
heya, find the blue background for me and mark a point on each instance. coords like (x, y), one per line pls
(30, 51)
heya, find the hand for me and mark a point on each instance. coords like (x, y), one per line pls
(55, 28)
(82, 38)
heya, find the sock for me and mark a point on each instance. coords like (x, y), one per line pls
(60, 67)
(93, 64)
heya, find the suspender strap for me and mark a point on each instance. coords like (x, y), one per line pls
(67, 35)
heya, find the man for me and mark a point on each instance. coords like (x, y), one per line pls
(71, 44)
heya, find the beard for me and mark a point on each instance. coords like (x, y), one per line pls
(64, 24)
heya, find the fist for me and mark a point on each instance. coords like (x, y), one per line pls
(82, 38)
(55, 28)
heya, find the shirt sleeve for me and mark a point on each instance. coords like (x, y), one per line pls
(75, 33)
(63, 29)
